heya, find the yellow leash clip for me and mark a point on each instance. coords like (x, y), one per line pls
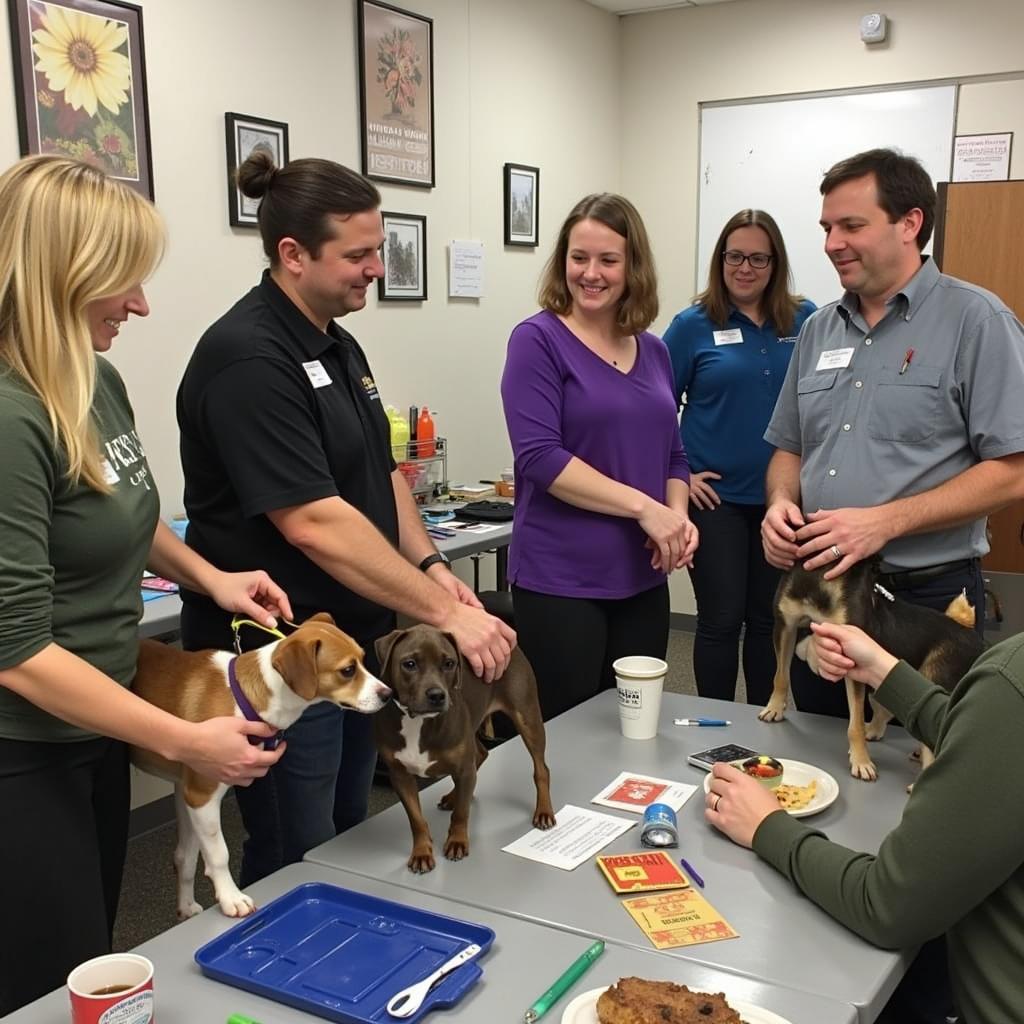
(237, 622)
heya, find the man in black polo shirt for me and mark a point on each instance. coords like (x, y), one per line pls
(286, 454)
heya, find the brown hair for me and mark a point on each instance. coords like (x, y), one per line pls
(639, 304)
(298, 198)
(902, 184)
(778, 303)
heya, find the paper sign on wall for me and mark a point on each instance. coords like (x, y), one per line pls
(982, 157)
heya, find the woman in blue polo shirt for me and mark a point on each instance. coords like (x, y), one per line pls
(730, 351)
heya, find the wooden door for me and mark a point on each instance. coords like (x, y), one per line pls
(978, 239)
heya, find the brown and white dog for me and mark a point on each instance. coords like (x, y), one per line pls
(942, 647)
(429, 730)
(279, 681)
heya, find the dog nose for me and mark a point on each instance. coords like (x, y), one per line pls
(384, 692)
(436, 696)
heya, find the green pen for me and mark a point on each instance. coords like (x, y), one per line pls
(237, 1018)
(576, 971)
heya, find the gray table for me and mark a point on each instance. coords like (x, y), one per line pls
(162, 615)
(784, 938)
(520, 965)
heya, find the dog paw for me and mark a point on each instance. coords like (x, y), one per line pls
(774, 712)
(447, 802)
(874, 732)
(187, 910)
(456, 849)
(544, 820)
(910, 787)
(915, 754)
(421, 863)
(864, 770)
(236, 904)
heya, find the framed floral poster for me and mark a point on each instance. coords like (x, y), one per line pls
(405, 258)
(243, 135)
(80, 84)
(396, 94)
(522, 203)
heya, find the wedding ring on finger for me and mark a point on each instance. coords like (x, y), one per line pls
(835, 551)
(718, 800)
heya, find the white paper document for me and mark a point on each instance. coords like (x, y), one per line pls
(579, 834)
(466, 270)
(633, 792)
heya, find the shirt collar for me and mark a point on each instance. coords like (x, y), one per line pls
(310, 338)
(911, 295)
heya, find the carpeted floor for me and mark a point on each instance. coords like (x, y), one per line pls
(148, 894)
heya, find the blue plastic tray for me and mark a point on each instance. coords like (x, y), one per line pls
(342, 954)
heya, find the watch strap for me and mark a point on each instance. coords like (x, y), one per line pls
(433, 559)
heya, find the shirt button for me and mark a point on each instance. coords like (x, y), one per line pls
(846, 426)
(766, 372)
(831, 472)
(764, 351)
(858, 384)
(867, 341)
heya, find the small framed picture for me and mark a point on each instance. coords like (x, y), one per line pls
(243, 135)
(405, 258)
(80, 84)
(522, 199)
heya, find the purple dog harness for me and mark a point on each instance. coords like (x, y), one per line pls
(271, 742)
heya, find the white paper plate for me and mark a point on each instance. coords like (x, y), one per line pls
(796, 773)
(583, 1010)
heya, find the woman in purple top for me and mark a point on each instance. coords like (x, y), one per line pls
(601, 475)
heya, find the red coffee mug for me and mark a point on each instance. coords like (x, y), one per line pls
(112, 989)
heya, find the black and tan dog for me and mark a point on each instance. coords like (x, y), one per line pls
(942, 647)
(429, 730)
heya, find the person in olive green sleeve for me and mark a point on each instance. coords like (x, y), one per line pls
(78, 524)
(954, 865)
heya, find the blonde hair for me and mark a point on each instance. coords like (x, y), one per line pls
(638, 307)
(69, 235)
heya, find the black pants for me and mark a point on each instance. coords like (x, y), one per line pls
(63, 833)
(924, 995)
(735, 588)
(571, 642)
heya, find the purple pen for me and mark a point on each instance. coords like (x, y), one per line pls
(688, 868)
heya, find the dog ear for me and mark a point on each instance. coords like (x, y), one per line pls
(457, 685)
(296, 659)
(384, 646)
(322, 617)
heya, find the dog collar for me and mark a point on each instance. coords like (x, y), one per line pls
(271, 742)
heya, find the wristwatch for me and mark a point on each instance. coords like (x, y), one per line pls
(433, 559)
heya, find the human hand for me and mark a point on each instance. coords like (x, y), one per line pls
(736, 804)
(219, 749)
(856, 533)
(451, 584)
(253, 594)
(484, 640)
(702, 494)
(778, 533)
(848, 652)
(668, 536)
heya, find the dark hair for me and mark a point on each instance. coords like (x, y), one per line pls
(903, 185)
(298, 198)
(778, 303)
(639, 304)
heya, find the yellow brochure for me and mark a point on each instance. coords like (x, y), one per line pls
(680, 918)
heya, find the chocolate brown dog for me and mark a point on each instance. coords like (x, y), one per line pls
(942, 647)
(429, 730)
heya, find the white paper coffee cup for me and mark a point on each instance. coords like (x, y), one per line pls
(640, 681)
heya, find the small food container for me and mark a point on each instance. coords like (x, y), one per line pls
(765, 769)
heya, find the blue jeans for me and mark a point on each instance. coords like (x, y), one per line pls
(320, 787)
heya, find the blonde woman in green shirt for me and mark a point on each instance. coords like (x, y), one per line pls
(78, 524)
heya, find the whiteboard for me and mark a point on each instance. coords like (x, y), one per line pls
(772, 155)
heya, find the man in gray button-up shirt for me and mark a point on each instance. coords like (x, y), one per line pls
(900, 425)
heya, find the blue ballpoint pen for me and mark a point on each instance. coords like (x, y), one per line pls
(702, 721)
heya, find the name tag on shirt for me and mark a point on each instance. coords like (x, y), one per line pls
(834, 359)
(109, 473)
(318, 376)
(733, 337)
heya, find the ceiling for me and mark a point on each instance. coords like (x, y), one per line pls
(638, 6)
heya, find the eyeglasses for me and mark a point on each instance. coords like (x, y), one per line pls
(758, 260)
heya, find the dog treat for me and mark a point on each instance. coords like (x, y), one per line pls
(793, 798)
(636, 1001)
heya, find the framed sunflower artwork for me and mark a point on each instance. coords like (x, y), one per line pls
(396, 94)
(80, 84)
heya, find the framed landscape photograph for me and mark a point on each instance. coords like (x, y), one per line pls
(396, 94)
(243, 135)
(522, 201)
(80, 84)
(405, 258)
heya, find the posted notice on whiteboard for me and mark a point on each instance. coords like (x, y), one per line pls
(466, 270)
(982, 157)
